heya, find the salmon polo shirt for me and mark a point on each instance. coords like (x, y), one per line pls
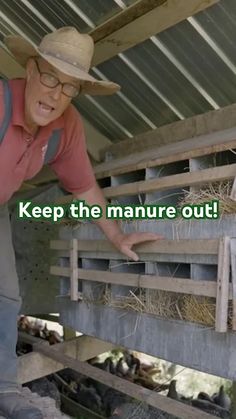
(22, 155)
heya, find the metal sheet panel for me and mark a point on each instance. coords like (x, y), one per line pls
(186, 70)
(31, 241)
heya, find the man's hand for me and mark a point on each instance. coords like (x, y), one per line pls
(125, 242)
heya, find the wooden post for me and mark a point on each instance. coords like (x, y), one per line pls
(233, 191)
(233, 408)
(74, 269)
(233, 272)
(68, 333)
(222, 296)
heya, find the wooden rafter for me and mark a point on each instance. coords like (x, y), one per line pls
(126, 16)
(114, 37)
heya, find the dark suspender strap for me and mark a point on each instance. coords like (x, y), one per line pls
(7, 98)
(53, 145)
(54, 140)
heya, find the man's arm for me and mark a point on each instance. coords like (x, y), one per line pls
(123, 242)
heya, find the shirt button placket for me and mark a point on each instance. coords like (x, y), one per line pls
(28, 139)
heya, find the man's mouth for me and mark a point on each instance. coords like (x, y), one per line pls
(45, 109)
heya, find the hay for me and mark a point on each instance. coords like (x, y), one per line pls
(199, 309)
(216, 191)
(163, 304)
(171, 305)
(168, 305)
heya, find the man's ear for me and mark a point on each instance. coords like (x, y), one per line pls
(30, 67)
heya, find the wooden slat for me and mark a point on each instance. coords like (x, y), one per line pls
(82, 348)
(164, 283)
(142, 28)
(146, 257)
(222, 298)
(233, 273)
(76, 410)
(126, 16)
(48, 317)
(176, 151)
(144, 395)
(181, 285)
(207, 124)
(215, 174)
(185, 246)
(74, 269)
(163, 154)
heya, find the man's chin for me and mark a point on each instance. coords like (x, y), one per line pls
(43, 121)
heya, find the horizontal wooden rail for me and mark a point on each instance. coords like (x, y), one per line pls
(80, 348)
(76, 410)
(201, 177)
(184, 246)
(163, 283)
(164, 403)
(178, 151)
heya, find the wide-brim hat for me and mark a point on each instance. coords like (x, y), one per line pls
(69, 51)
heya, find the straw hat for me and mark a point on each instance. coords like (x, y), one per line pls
(69, 51)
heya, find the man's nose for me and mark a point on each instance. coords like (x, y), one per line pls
(56, 92)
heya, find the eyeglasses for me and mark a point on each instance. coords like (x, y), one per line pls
(51, 81)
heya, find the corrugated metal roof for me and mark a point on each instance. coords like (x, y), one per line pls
(183, 71)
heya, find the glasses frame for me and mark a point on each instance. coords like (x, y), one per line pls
(41, 73)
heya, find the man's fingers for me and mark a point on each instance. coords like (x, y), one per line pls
(142, 237)
(130, 253)
(135, 238)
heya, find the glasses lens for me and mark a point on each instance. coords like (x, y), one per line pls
(49, 80)
(70, 90)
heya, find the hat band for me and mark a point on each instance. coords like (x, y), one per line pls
(59, 56)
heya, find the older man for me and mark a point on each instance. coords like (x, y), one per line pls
(35, 113)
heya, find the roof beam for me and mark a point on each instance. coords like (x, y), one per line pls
(192, 127)
(139, 22)
(124, 17)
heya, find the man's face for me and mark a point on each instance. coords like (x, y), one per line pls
(44, 104)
